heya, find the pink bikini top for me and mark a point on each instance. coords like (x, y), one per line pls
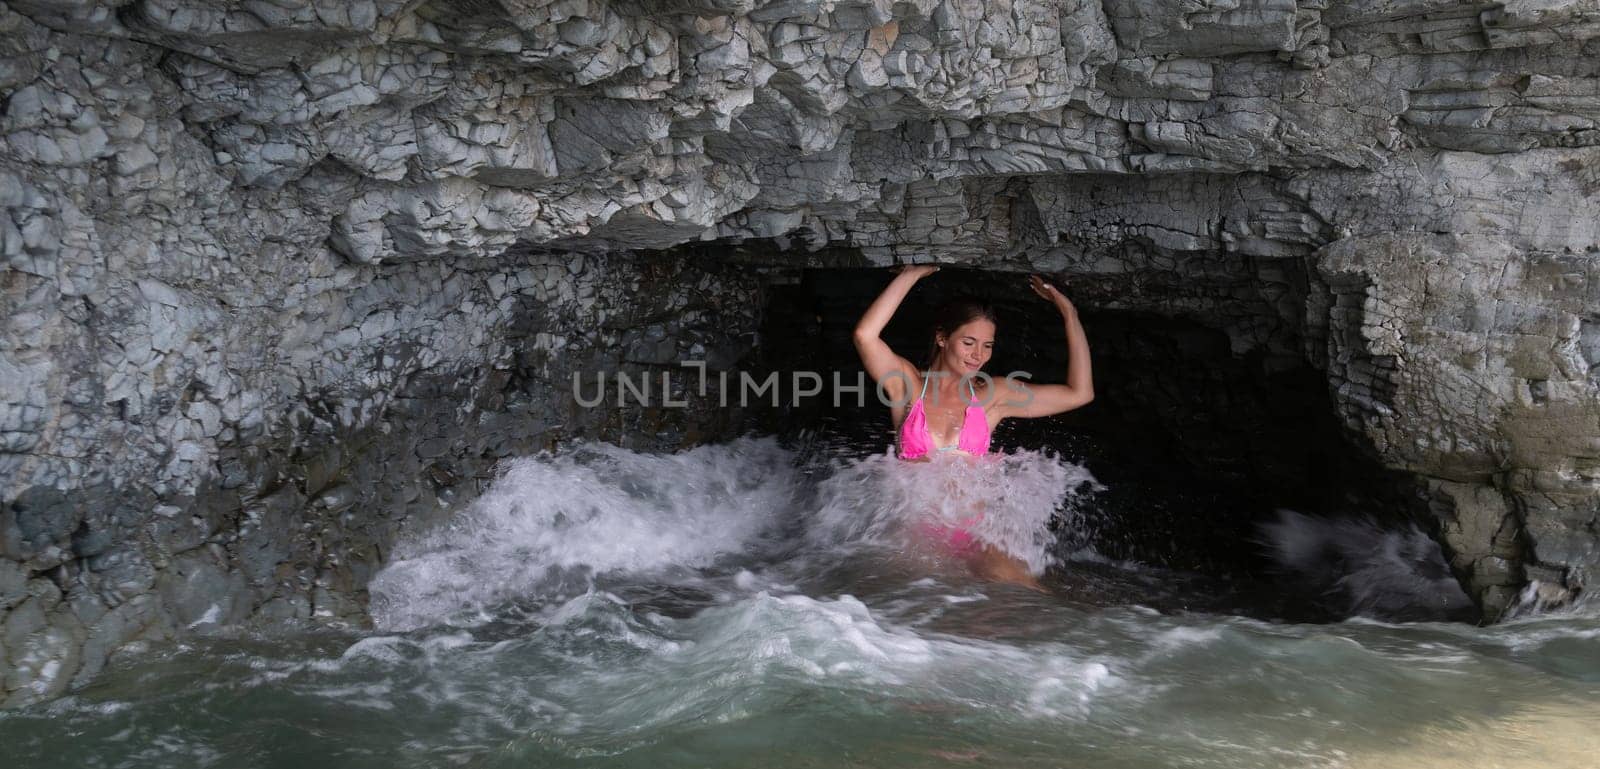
(916, 441)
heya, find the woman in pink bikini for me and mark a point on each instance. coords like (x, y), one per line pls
(949, 408)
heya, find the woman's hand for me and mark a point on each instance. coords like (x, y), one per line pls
(1042, 400)
(919, 271)
(1051, 294)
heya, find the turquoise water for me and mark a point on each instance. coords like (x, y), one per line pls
(729, 607)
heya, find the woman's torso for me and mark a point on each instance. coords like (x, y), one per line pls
(915, 438)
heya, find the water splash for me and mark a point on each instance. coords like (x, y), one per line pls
(666, 662)
(1004, 500)
(549, 524)
(1546, 599)
(1366, 569)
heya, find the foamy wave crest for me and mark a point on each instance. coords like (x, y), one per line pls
(749, 658)
(1540, 599)
(1366, 569)
(549, 524)
(1004, 500)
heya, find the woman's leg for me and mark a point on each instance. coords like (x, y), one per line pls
(993, 563)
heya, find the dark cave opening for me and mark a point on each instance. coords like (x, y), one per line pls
(1198, 447)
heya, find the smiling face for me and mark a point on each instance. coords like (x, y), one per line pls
(966, 349)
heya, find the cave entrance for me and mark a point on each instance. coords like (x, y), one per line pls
(1198, 445)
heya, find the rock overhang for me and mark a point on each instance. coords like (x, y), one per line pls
(224, 221)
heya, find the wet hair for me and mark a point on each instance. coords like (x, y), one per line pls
(953, 315)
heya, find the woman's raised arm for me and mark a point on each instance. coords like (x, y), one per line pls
(1045, 400)
(880, 361)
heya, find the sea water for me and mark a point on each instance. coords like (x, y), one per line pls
(743, 606)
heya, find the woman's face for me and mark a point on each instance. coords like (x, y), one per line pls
(968, 348)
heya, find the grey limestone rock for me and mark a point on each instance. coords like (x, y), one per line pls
(282, 279)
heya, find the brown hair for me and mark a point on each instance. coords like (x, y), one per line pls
(953, 315)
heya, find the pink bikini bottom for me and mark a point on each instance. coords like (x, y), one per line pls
(957, 538)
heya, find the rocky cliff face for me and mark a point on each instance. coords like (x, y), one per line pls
(272, 266)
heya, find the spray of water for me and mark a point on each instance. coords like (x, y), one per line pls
(549, 524)
(1007, 501)
(1539, 599)
(929, 673)
(1365, 569)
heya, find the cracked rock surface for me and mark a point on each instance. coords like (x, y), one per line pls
(268, 263)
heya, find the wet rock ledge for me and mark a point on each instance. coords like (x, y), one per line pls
(283, 278)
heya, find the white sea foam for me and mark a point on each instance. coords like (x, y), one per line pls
(767, 643)
(549, 524)
(550, 521)
(1004, 500)
(211, 617)
(919, 671)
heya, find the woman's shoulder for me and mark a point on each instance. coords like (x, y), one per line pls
(996, 394)
(900, 387)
